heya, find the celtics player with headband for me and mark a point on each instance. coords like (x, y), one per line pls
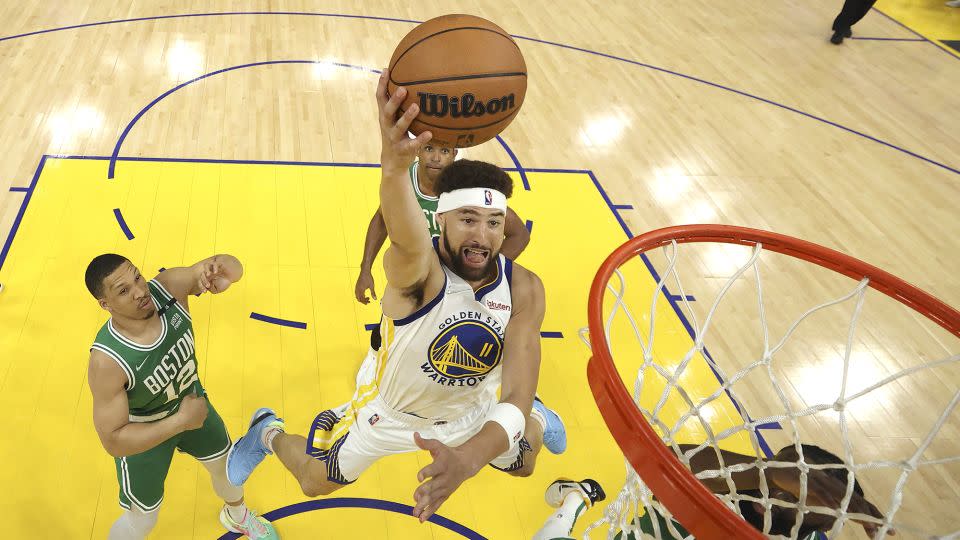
(147, 396)
(459, 321)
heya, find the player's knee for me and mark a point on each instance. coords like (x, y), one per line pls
(315, 487)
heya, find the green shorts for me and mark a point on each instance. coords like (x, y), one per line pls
(645, 523)
(141, 476)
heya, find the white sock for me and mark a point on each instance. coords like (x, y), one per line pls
(269, 435)
(536, 415)
(237, 513)
(133, 525)
(561, 523)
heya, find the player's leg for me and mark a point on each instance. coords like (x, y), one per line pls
(133, 524)
(141, 478)
(544, 428)
(323, 462)
(210, 445)
(572, 499)
(310, 472)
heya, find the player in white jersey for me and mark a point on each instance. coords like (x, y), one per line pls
(459, 320)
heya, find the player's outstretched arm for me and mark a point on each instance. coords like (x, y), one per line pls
(708, 460)
(376, 236)
(521, 341)
(409, 261)
(823, 489)
(214, 274)
(111, 412)
(521, 372)
(516, 235)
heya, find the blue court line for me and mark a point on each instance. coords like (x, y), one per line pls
(123, 224)
(548, 170)
(623, 206)
(529, 226)
(552, 43)
(212, 14)
(690, 297)
(551, 335)
(226, 161)
(111, 169)
(129, 126)
(672, 300)
(271, 162)
(371, 327)
(23, 208)
(748, 95)
(20, 189)
(358, 502)
(917, 40)
(912, 31)
(278, 321)
(516, 162)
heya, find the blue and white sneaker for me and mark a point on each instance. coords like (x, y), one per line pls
(249, 450)
(554, 432)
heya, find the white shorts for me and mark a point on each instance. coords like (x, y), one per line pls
(349, 440)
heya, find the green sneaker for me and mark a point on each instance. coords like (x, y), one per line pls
(252, 526)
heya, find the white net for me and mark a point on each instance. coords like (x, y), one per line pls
(881, 399)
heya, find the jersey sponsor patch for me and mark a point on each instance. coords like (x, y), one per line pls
(497, 306)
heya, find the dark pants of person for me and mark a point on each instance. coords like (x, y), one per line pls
(852, 12)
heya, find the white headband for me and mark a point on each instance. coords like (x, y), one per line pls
(479, 197)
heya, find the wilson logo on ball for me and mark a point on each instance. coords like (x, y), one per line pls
(442, 105)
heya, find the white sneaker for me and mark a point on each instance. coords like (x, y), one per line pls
(587, 488)
(954, 3)
(252, 526)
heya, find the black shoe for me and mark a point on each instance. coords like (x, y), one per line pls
(593, 489)
(560, 488)
(837, 37)
(848, 32)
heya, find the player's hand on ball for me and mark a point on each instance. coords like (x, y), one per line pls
(192, 412)
(364, 283)
(448, 470)
(397, 149)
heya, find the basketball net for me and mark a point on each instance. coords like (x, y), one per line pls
(658, 489)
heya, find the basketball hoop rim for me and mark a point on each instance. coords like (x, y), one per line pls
(695, 507)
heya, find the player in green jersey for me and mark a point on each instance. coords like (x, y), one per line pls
(424, 172)
(147, 397)
(825, 487)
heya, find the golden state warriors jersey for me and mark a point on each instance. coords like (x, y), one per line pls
(445, 357)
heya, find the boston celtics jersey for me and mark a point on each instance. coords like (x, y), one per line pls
(427, 203)
(159, 373)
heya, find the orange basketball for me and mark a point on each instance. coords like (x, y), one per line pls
(466, 73)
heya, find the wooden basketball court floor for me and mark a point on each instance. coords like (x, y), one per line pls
(253, 133)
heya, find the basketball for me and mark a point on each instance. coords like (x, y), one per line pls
(466, 74)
